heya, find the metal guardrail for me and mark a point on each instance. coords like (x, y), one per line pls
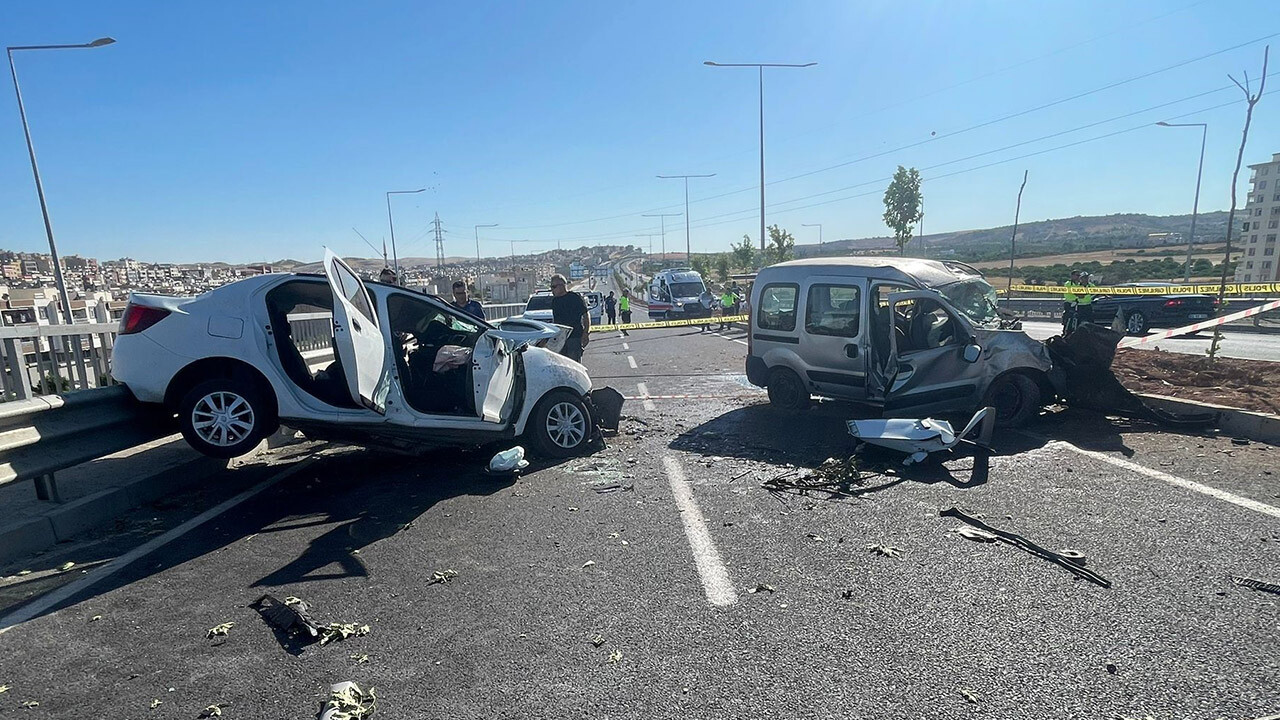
(41, 436)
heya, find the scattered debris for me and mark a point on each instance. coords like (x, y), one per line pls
(918, 438)
(615, 656)
(442, 576)
(740, 475)
(28, 704)
(509, 461)
(968, 695)
(588, 564)
(814, 537)
(573, 509)
(66, 566)
(23, 573)
(615, 487)
(211, 711)
(885, 550)
(1070, 559)
(1239, 441)
(348, 702)
(4, 688)
(1111, 668)
(360, 658)
(155, 703)
(972, 533)
(341, 631)
(597, 641)
(291, 616)
(762, 587)
(219, 630)
(846, 594)
(1255, 584)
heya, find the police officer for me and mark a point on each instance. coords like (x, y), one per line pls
(624, 308)
(1084, 301)
(1070, 300)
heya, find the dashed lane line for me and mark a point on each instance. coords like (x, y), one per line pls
(726, 337)
(644, 393)
(626, 346)
(632, 362)
(711, 570)
(1213, 492)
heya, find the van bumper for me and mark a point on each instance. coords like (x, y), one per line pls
(757, 371)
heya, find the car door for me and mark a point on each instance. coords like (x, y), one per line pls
(932, 364)
(357, 335)
(493, 374)
(834, 348)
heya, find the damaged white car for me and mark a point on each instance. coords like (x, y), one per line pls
(341, 359)
(911, 337)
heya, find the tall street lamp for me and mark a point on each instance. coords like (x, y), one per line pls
(663, 224)
(1195, 207)
(688, 258)
(395, 258)
(35, 170)
(761, 66)
(819, 226)
(650, 236)
(477, 227)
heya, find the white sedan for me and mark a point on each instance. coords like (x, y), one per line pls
(404, 370)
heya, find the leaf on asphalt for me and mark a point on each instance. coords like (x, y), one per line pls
(341, 631)
(615, 656)
(968, 696)
(597, 641)
(973, 533)
(219, 630)
(349, 703)
(885, 550)
(28, 704)
(762, 587)
(588, 564)
(442, 576)
(66, 566)
(211, 711)
(156, 703)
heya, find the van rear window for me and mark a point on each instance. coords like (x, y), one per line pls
(777, 307)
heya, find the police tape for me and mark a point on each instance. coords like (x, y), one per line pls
(670, 323)
(1206, 289)
(1188, 329)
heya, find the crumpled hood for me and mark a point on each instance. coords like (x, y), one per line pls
(1007, 349)
(565, 371)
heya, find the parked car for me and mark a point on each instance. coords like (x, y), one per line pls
(911, 337)
(539, 306)
(407, 371)
(595, 305)
(1139, 313)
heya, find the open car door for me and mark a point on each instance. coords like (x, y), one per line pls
(493, 373)
(357, 335)
(931, 364)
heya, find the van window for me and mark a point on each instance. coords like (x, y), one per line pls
(928, 326)
(833, 310)
(778, 307)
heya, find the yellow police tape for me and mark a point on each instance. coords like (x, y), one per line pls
(1231, 289)
(670, 323)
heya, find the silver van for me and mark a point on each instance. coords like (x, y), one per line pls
(912, 337)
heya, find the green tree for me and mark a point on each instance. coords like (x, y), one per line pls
(701, 265)
(744, 255)
(722, 268)
(902, 202)
(781, 246)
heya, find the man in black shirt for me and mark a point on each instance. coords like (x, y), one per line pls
(569, 309)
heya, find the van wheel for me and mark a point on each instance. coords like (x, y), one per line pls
(560, 426)
(223, 417)
(786, 391)
(1015, 397)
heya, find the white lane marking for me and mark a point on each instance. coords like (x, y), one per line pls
(1213, 492)
(632, 362)
(644, 393)
(726, 337)
(626, 346)
(711, 570)
(71, 589)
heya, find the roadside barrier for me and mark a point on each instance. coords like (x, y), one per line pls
(671, 323)
(1231, 289)
(1187, 329)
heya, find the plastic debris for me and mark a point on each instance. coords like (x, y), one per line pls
(918, 438)
(348, 702)
(291, 616)
(95, 618)
(219, 630)
(23, 573)
(968, 695)
(588, 564)
(66, 566)
(885, 550)
(341, 631)
(762, 587)
(615, 656)
(360, 658)
(4, 688)
(597, 641)
(155, 703)
(509, 461)
(442, 576)
(211, 711)
(28, 704)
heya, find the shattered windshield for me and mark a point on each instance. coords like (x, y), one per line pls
(975, 298)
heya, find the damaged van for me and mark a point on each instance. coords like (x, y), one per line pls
(911, 337)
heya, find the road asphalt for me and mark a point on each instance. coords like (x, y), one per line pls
(1235, 344)
(661, 578)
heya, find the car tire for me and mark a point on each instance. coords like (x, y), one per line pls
(1015, 397)
(1135, 323)
(786, 390)
(560, 426)
(224, 417)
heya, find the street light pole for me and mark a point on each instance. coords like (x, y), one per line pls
(761, 67)
(35, 169)
(688, 256)
(477, 228)
(819, 226)
(1195, 207)
(663, 224)
(395, 257)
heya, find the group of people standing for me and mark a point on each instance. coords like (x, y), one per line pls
(615, 305)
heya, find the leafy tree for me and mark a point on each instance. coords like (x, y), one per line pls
(781, 247)
(902, 202)
(701, 265)
(722, 268)
(744, 255)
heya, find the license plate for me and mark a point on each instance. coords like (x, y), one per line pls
(1197, 316)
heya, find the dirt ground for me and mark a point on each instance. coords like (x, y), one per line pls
(1106, 256)
(1246, 384)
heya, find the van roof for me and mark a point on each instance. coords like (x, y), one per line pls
(929, 272)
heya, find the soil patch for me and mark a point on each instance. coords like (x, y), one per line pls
(1246, 384)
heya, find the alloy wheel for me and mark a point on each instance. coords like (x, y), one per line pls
(222, 418)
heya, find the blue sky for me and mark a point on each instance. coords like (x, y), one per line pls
(245, 131)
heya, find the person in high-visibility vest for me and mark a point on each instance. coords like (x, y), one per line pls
(1070, 302)
(624, 308)
(728, 305)
(1084, 301)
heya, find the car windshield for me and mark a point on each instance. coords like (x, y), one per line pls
(975, 298)
(687, 289)
(539, 302)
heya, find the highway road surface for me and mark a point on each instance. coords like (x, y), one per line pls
(682, 573)
(1235, 343)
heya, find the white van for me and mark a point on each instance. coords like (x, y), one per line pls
(595, 305)
(913, 337)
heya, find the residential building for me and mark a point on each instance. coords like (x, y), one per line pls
(1259, 224)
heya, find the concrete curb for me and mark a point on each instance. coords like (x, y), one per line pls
(1256, 426)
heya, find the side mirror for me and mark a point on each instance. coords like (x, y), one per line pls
(972, 353)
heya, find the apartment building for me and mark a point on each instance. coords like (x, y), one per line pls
(1259, 224)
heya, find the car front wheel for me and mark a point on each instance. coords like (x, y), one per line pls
(1015, 397)
(1136, 323)
(561, 426)
(223, 417)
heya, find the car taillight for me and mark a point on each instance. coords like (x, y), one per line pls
(1172, 303)
(140, 317)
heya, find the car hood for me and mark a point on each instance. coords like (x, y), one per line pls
(1004, 350)
(562, 371)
